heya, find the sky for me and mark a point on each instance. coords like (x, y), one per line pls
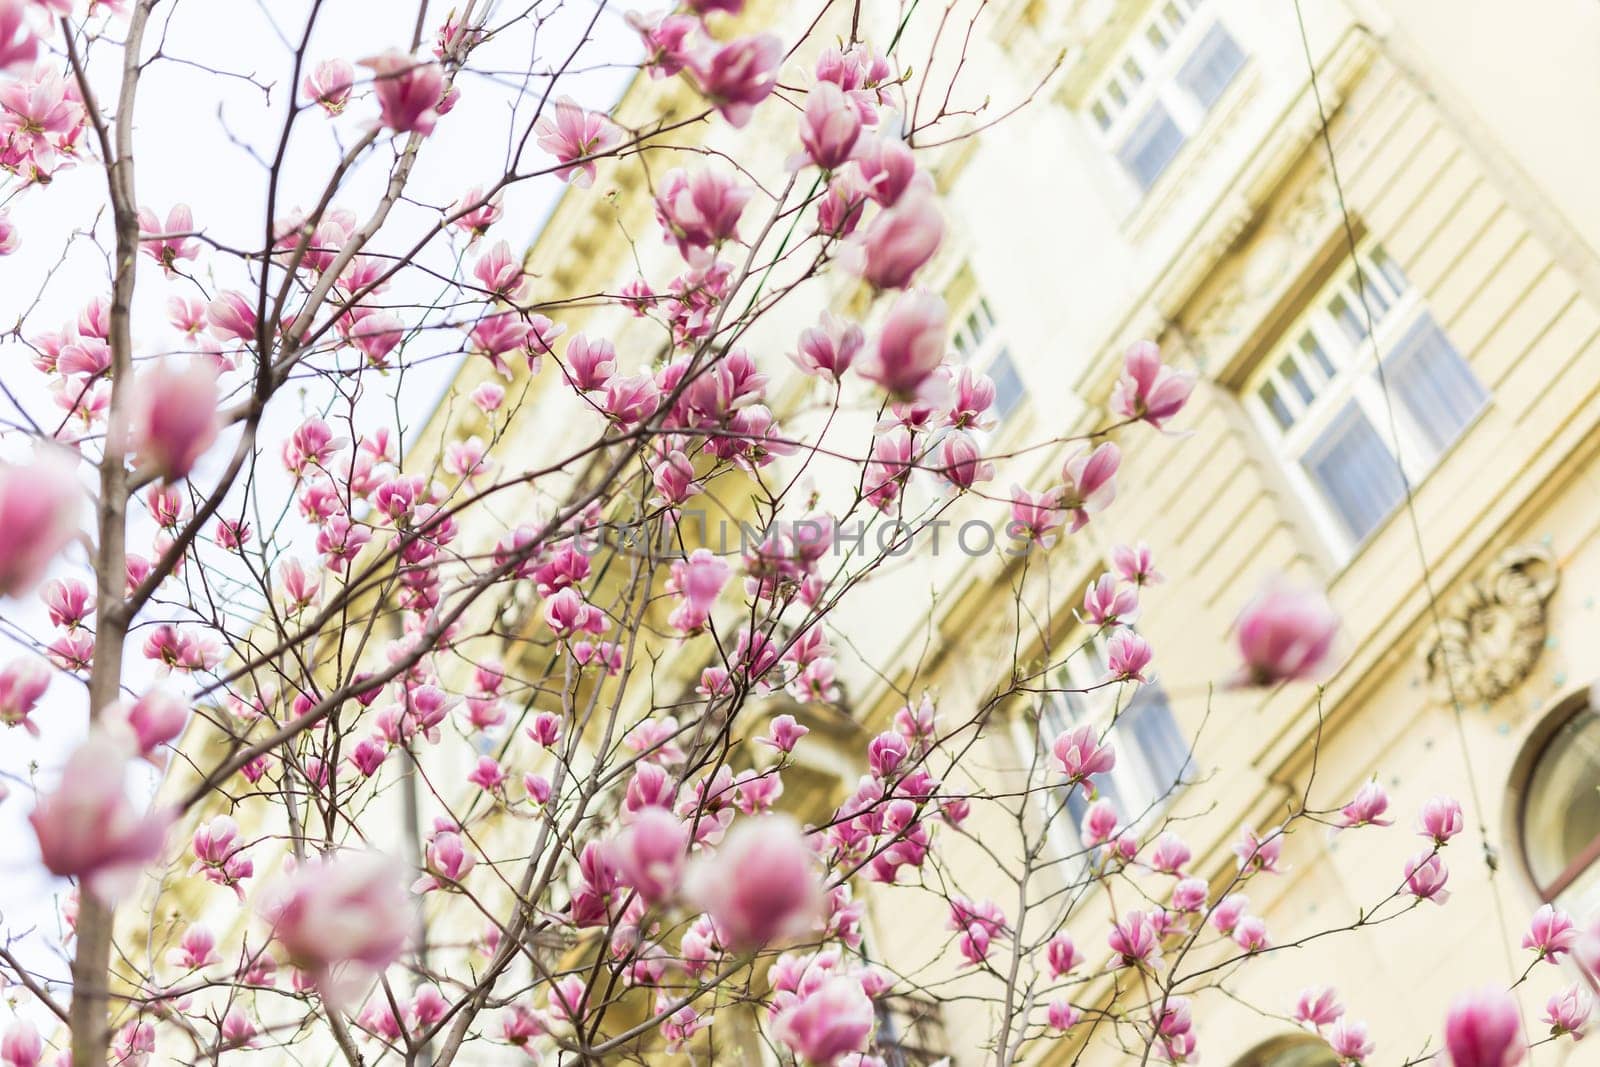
(208, 113)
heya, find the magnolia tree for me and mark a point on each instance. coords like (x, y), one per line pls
(251, 587)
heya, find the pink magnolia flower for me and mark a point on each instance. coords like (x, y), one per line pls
(1260, 853)
(1079, 753)
(1551, 934)
(475, 213)
(156, 718)
(1099, 822)
(21, 1045)
(1148, 390)
(699, 580)
(1426, 875)
(1035, 516)
(1133, 940)
(590, 363)
(701, 210)
(23, 682)
(1568, 1011)
(737, 76)
(829, 126)
(408, 91)
(886, 167)
(1484, 1029)
(1105, 603)
(166, 243)
(1061, 1015)
(828, 1023)
(1127, 655)
(760, 885)
(828, 348)
(910, 346)
(1366, 808)
(784, 733)
(1440, 819)
(960, 462)
(1170, 854)
(233, 317)
(1349, 1040)
(651, 853)
(88, 829)
(349, 908)
(1089, 482)
(1250, 933)
(173, 416)
(1226, 915)
(1317, 1006)
(328, 85)
(1285, 634)
(1136, 564)
(197, 949)
(500, 271)
(574, 134)
(1061, 955)
(18, 44)
(39, 505)
(665, 41)
(1189, 895)
(899, 241)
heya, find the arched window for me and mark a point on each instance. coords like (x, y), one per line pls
(1290, 1050)
(1555, 802)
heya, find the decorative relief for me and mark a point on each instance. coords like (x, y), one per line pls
(1491, 633)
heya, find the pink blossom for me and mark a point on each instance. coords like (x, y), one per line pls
(1440, 819)
(1189, 895)
(39, 505)
(960, 462)
(1035, 516)
(651, 853)
(827, 349)
(1349, 1040)
(1317, 1006)
(328, 85)
(1136, 564)
(1099, 822)
(21, 1045)
(1551, 934)
(784, 733)
(1250, 933)
(1484, 1029)
(1170, 854)
(910, 346)
(899, 241)
(573, 135)
(1127, 655)
(701, 210)
(760, 885)
(829, 126)
(173, 416)
(347, 908)
(1568, 1011)
(1134, 941)
(665, 40)
(1285, 634)
(488, 775)
(886, 167)
(590, 363)
(699, 580)
(1148, 390)
(1260, 853)
(629, 401)
(1060, 1015)
(1229, 910)
(1061, 955)
(23, 682)
(488, 397)
(737, 76)
(167, 243)
(828, 1023)
(1367, 807)
(475, 214)
(1105, 603)
(195, 950)
(408, 91)
(1079, 753)
(1426, 876)
(499, 271)
(156, 718)
(18, 44)
(233, 317)
(1089, 482)
(88, 829)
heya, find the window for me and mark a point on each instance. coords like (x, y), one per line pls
(979, 343)
(1152, 752)
(910, 1031)
(1558, 812)
(1321, 402)
(1159, 91)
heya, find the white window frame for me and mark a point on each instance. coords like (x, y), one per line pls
(1330, 325)
(1144, 74)
(1086, 697)
(980, 343)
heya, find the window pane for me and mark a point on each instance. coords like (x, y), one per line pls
(1158, 40)
(1174, 15)
(1355, 472)
(1351, 320)
(1280, 411)
(1435, 385)
(1102, 117)
(1207, 72)
(1561, 816)
(1290, 372)
(1390, 270)
(1313, 348)
(1364, 284)
(1132, 69)
(1151, 146)
(1008, 387)
(1149, 722)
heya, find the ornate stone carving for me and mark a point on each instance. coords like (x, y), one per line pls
(1491, 633)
